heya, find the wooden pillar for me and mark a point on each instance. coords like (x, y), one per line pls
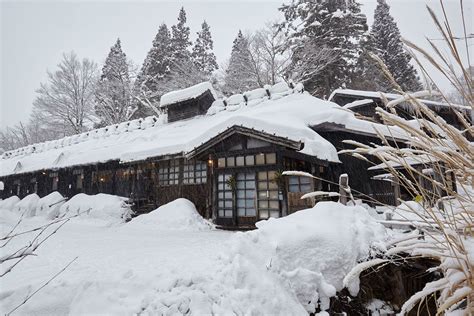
(344, 188)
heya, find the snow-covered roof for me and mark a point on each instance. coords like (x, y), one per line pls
(393, 96)
(288, 115)
(187, 94)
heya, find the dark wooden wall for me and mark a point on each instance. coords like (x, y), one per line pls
(190, 108)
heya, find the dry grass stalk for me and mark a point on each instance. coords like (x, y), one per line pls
(446, 213)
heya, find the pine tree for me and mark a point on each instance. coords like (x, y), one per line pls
(239, 76)
(180, 42)
(318, 26)
(389, 47)
(156, 68)
(203, 56)
(368, 75)
(113, 91)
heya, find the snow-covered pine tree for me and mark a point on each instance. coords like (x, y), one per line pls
(180, 43)
(113, 93)
(203, 56)
(239, 76)
(368, 75)
(317, 26)
(389, 47)
(155, 68)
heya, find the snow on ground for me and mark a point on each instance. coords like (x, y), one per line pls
(156, 265)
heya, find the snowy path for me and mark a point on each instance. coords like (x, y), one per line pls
(117, 267)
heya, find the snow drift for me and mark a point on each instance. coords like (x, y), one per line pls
(312, 250)
(9, 203)
(27, 205)
(101, 206)
(180, 214)
(50, 205)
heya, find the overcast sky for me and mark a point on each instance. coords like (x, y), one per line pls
(34, 34)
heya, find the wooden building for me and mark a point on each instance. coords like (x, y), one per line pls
(227, 160)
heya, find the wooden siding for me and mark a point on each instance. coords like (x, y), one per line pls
(190, 108)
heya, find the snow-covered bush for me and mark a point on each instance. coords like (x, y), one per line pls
(27, 205)
(9, 203)
(50, 204)
(102, 206)
(180, 214)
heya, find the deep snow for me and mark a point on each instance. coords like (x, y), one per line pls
(171, 261)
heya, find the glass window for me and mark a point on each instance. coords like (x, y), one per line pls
(299, 184)
(245, 194)
(260, 159)
(249, 160)
(224, 196)
(268, 201)
(230, 162)
(221, 162)
(168, 172)
(239, 161)
(271, 158)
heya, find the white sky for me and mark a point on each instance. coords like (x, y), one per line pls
(34, 34)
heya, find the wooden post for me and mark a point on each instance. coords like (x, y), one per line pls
(343, 188)
(396, 190)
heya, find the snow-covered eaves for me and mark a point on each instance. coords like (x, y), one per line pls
(287, 115)
(411, 161)
(187, 94)
(358, 103)
(393, 96)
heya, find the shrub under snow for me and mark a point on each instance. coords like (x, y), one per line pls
(180, 214)
(9, 203)
(27, 205)
(102, 206)
(50, 204)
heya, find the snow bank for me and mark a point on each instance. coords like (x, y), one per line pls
(27, 205)
(102, 206)
(50, 204)
(312, 250)
(180, 214)
(9, 203)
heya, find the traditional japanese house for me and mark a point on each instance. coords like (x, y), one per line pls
(226, 155)
(365, 102)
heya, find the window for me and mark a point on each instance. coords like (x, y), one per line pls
(260, 159)
(168, 172)
(55, 180)
(221, 163)
(299, 184)
(249, 160)
(224, 196)
(268, 201)
(240, 161)
(245, 183)
(78, 173)
(194, 172)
